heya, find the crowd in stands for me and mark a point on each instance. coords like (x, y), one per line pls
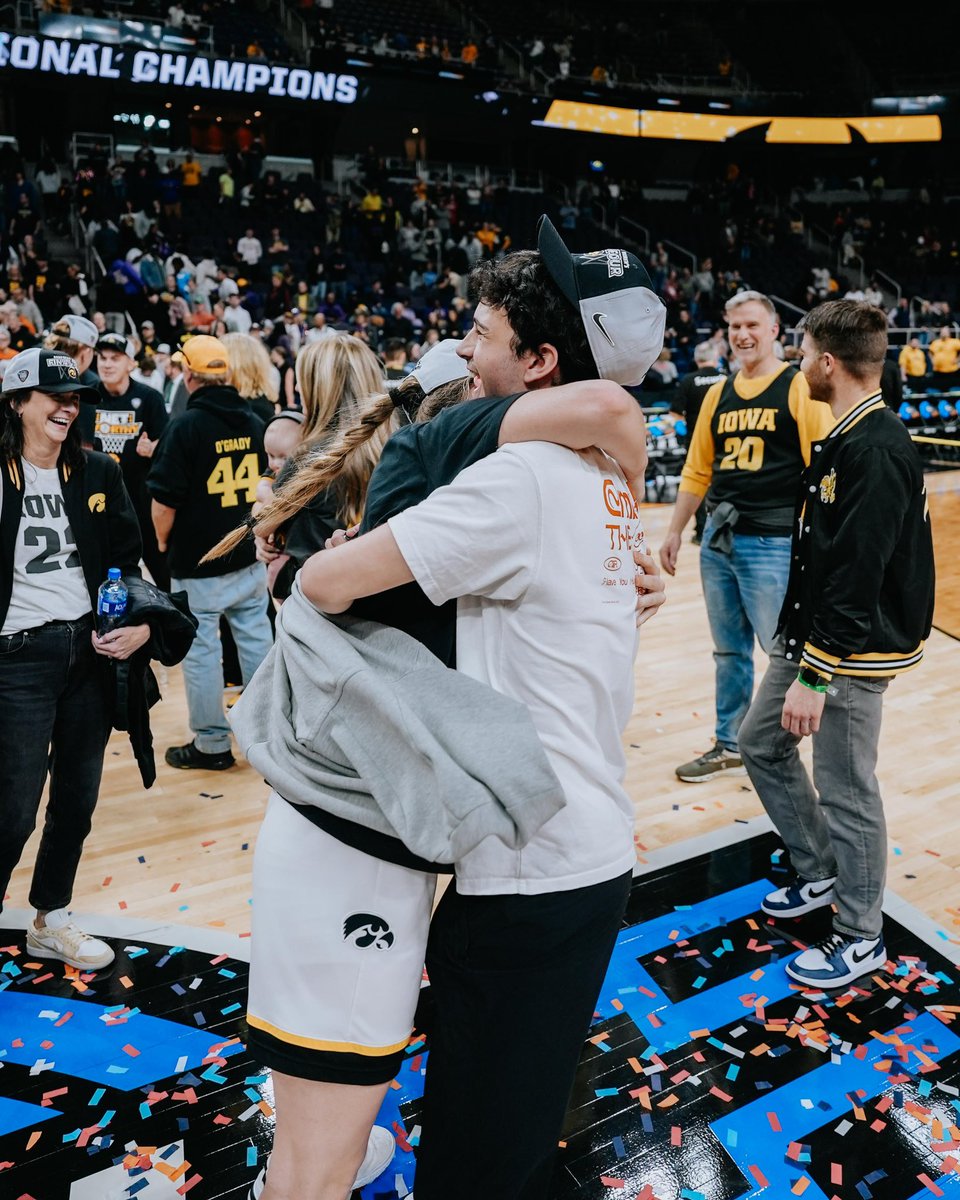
(239, 249)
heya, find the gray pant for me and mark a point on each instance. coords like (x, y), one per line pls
(834, 825)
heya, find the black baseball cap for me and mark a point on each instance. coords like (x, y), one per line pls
(623, 317)
(118, 342)
(49, 371)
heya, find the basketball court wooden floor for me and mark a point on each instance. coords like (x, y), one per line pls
(706, 1073)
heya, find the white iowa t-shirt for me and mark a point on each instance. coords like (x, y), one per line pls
(48, 580)
(537, 543)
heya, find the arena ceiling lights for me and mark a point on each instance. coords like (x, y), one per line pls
(721, 127)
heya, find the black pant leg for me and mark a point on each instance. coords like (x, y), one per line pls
(515, 981)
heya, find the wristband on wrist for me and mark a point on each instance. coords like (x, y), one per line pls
(812, 679)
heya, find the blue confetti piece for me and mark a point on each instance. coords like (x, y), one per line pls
(183, 1124)
(137, 1187)
(618, 1147)
(213, 1076)
(600, 1045)
(97, 1096)
(251, 1156)
(141, 859)
(72, 1137)
(113, 1069)
(229, 1009)
(256, 1079)
(145, 1111)
(690, 1194)
(227, 974)
(647, 1122)
(732, 1137)
(104, 1120)
(605, 1092)
(169, 1152)
(253, 1094)
(733, 1071)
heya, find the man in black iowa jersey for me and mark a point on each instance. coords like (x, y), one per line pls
(748, 451)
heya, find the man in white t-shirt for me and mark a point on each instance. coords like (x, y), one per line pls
(536, 542)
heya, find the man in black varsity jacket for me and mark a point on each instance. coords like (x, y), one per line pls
(858, 608)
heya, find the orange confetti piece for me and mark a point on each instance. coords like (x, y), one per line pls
(131, 1050)
(676, 1135)
(34, 1138)
(929, 1184)
(608, 1181)
(800, 1185)
(617, 1004)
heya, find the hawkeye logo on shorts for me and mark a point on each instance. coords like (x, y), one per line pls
(365, 929)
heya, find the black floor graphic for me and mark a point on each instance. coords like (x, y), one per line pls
(706, 1075)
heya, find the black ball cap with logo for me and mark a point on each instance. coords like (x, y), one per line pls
(622, 315)
(41, 370)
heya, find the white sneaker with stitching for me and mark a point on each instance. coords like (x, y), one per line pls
(379, 1156)
(60, 937)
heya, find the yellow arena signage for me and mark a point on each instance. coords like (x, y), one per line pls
(721, 127)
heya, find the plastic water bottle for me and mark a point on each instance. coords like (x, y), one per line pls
(111, 602)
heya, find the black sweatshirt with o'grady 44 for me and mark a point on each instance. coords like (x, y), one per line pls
(207, 467)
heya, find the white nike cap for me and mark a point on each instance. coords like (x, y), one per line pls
(439, 365)
(622, 315)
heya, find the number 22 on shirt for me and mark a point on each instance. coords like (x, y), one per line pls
(228, 482)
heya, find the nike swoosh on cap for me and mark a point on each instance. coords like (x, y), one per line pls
(598, 321)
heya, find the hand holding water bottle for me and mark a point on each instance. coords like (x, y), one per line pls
(112, 638)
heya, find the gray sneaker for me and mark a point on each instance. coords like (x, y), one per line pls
(718, 761)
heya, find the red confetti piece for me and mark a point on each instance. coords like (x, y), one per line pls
(758, 1175)
(131, 1050)
(607, 1181)
(836, 1174)
(774, 1122)
(191, 1182)
(929, 1184)
(676, 1135)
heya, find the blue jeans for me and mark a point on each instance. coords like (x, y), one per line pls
(54, 720)
(241, 597)
(744, 594)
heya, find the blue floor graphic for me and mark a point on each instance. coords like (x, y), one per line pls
(707, 1074)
